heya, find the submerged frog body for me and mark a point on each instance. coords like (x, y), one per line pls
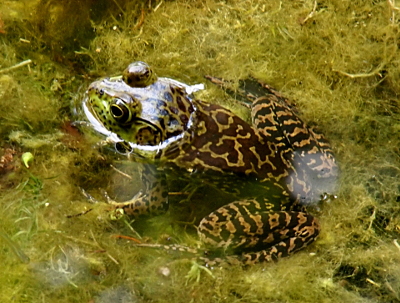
(272, 167)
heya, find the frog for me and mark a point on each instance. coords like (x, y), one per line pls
(274, 167)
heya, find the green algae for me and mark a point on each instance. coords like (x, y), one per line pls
(14, 247)
(337, 59)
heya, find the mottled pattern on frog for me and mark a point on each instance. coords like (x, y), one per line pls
(273, 167)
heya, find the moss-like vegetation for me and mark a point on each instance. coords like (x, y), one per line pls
(339, 61)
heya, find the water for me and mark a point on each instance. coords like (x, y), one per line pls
(339, 65)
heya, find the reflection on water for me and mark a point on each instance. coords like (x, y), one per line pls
(318, 174)
(118, 294)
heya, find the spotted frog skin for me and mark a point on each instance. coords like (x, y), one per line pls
(272, 168)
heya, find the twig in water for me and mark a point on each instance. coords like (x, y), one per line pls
(23, 63)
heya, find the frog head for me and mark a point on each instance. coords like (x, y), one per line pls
(147, 113)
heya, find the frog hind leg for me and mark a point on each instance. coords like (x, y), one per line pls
(309, 163)
(260, 235)
(313, 170)
(151, 200)
(275, 116)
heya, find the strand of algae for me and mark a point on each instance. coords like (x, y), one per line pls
(14, 247)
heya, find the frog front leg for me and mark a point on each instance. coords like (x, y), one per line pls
(263, 235)
(151, 200)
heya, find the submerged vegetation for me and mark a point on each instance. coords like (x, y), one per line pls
(339, 61)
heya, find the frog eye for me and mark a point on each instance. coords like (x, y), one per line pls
(120, 111)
